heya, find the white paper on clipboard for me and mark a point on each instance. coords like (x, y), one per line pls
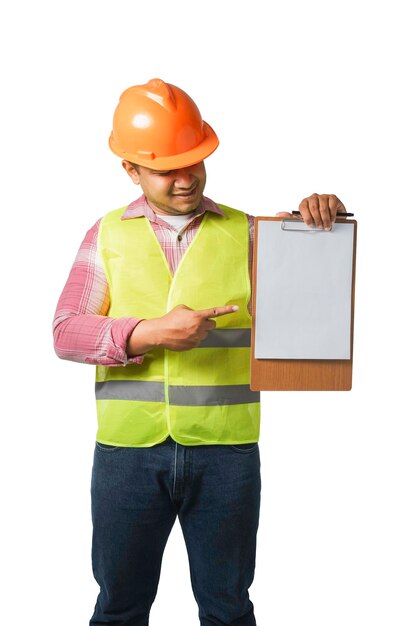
(304, 290)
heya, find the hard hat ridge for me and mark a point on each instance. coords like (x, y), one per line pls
(161, 92)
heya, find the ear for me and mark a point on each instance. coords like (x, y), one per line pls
(132, 171)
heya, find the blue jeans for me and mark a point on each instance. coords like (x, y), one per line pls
(136, 495)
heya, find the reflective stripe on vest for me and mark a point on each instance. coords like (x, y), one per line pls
(197, 396)
(227, 337)
(148, 391)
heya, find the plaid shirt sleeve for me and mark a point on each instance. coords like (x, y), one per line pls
(82, 330)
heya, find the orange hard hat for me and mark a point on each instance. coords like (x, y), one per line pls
(159, 126)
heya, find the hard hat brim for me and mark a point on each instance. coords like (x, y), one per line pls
(176, 161)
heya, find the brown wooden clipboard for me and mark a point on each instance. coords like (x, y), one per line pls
(300, 374)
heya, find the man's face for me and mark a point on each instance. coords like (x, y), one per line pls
(172, 192)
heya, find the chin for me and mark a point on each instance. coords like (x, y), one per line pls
(189, 207)
(186, 210)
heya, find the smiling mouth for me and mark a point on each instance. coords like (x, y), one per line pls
(186, 194)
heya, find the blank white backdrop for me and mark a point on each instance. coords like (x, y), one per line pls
(305, 97)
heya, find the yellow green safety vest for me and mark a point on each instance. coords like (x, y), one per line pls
(198, 396)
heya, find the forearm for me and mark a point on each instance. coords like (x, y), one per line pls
(94, 339)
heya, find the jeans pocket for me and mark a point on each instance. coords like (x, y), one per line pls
(244, 447)
(104, 447)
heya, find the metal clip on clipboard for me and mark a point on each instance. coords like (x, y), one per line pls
(308, 229)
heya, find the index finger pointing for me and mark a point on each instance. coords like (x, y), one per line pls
(216, 311)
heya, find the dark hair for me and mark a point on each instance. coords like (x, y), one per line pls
(135, 165)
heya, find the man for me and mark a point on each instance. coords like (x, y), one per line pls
(159, 299)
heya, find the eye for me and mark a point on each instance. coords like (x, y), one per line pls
(166, 173)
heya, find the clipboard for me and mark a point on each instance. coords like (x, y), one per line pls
(277, 359)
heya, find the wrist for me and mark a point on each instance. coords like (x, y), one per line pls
(142, 339)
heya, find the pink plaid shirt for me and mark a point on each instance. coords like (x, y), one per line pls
(82, 330)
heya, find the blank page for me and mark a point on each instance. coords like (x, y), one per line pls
(304, 288)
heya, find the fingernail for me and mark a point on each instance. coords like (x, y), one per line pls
(235, 307)
(327, 228)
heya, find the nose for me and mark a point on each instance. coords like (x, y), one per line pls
(184, 178)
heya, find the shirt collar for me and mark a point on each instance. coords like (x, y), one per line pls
(141, 208)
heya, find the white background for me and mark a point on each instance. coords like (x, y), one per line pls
(305, 97)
